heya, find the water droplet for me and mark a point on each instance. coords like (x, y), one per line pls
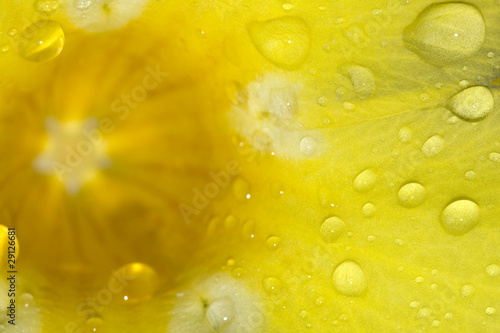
(363, 80)
(271, 285)
(82, 4)
(320, 301)
(433, 146)
(349, 279)
(12, 32)
(42, 41)
(419, 279)
(369, 210)
(472, 104)
(220, 313)
(424, 313)
(411, 195)
(307, 145)
(331, 229)
(435, 323)
(399, 242)
(470, 175)
(241, 188)
(405, 133)
(134, 282)
(494, 157)
(238, 272)
(4, 48)
(446, 33)
(46, 7)
(492, 270)
(448, 316)
(460, 217)
(490, 310)
(414, 304)
(467, 290)
(284, 41)
(287, 6)
(322, 101)
(348, 106)
(365, 180)
(273, 243)
(490, 55)
(370, 238)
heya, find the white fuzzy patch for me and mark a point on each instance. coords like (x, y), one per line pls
(28, 317)
(218, 303)
(103, 15)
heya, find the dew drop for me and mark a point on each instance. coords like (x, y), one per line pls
(365, 180)
(220, 313)
(42, 41)
(433, 146)
(460, 217)
(448, 316)
(363, 80)
(435, 323)
(470, 175)
(348, 106)
(424, 313)
(46, 7)
(411, 195)
(349, 279)
(271, 285)
(134, 282)
(419, 279)
(492, 270)
(241, 188)
(231, 221)
(472, 104)
(273, 243)
(405, 133)
(494, 157)
(446, 33)
(370, 238)
(238, 272)
(4, 48)
(82, 4)
(307, 146)
(467, 290)
(490, 310)
(284, 41)
(331, 229)
(414, 304)
(369, 210)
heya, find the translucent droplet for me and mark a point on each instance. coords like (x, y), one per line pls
(349, 279)
(82, 4)
(4, 48)
(399, 242)
(492, 270)
(322, 101)
(414, 304)
(405, 134)
(46, 7)
(271, 285)
(134, 282)
(370, 238)
(12, 32)
(369, 210)
(490, 310)
(220, 313)
(470, 175)
(273, 243)
(460, 217)
(348, 106)
(435, 323)
(467, 290)
(238, 272)
(363, 80)
(448, 316)
(433, 146)
(446, 33)
(331, 229)
(424, 313)
(307, 145)
(365, 180)
(241, 188)
(419, 279)
(42, 41)
(494, 157)
(472, 104)
(284, 41)
(411, 195)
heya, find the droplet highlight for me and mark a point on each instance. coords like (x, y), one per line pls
(46, 7)
(134, 282)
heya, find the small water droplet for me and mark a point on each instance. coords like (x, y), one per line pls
(490, 310)
(470, 175)
(419, 279)
(349, 279)
(4, 48)
(42, 41)
(322, 101)
(448, 316)
(231, 221)
(494, 157)
(284, 41)
(460, 217)
(435, 323)
(271, 285)
(331, 229)
(490, 55)
(446, 33)
(307, 146)
(405, 133)
(46, 7)
(141, 282)
(370, 238)
(411, 195)
(369, 210)
(492, 270)
(241, 188)
(433, 146)
(467, 290)
(238, 272)
(12, 32)
(320, 301)
(399, 242)
(424, 313)
(472, 104)
(273, 243)
(348, 106)
(414, 304)
(463, 83)
(365, 180)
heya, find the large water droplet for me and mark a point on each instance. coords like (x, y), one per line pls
(284, 41)
(411, 195)
(446, 33)
(134, 282)
(460, 217)
(365, 180)
(41, 41)
(363, 80)
(331, 229)
(349, 279)
(492, 270)
(433, 146)
(46, 7)
(472, 104)
(220, 313)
